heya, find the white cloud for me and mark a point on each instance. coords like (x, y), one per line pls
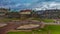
(48, 5)
(16, 5)
(27, 4)
(32, 4)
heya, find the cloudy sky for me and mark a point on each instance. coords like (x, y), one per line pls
(28, 4)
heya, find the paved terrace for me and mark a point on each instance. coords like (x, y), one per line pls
(14, 24)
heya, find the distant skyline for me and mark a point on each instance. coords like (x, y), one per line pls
(30, 4)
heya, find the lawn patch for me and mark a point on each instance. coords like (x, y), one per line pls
(48, 20)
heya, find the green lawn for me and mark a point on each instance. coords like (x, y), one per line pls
(44, 20)
(20, 33)
(52, 29)
(8, 19)
(36, 19)
(48, 20)
(36, 32)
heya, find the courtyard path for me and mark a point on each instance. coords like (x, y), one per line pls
(14, 25)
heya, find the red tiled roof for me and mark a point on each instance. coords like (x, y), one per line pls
(25, 10)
